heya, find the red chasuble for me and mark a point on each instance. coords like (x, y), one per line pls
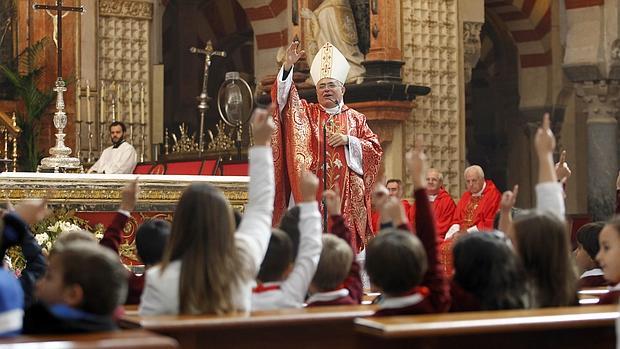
(297, 144)
(443, 210)
(478, 211)
(471, 211)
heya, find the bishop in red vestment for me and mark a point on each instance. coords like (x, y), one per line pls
(353, 150)
(442, 203)
(475, 212)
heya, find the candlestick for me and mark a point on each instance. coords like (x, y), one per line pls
(102, 103)
(88, 116)
(130, 103)
(119, 102)
(78, 102)
(142, 103)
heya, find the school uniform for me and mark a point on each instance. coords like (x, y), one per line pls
(291, 292)
(592, 278)
(60, 319)
(432, 295)
(352, 289)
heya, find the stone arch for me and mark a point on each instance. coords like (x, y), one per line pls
(492, 102)
(529, 26)
(270, 20)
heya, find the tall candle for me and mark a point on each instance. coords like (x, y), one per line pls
(102, 102)
(88, 117)
(78, 102)
(130, 103)
(142, 103)
(119, 103)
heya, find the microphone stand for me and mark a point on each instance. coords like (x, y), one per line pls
(325, 174)
(325, 166)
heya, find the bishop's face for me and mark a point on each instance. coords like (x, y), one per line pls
(329, 92)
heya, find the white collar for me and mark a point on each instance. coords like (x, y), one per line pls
(328, 296)
(400, 302)
(432, 198)
(334, 110)
(482, 190)
(592, 272)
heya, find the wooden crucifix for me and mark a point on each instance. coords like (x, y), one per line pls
(59, 9)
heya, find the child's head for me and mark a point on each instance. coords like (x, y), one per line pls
(395, 261)
(278, 259)
(84, 276)
(587, 245)
(542, 243)
(290, 224)
(486, 266)
(75, 235)
(202, 238)
(608, 256)
(151, 240)
(334, 265)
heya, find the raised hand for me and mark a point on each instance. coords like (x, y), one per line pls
(544, 141)
(394, 211)
(32, 211)
(416, 164)
(262, 126)
(562, 171)
(129, 196)
(379, 196)
(292, 55)
(509, 198)
(332, 202)
(309, 184)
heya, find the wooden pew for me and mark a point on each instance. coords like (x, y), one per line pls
(321, 327)
(130, 339)
(570, 327)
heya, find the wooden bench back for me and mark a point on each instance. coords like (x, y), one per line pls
(570, 327)
(326, 327)
(130, 339)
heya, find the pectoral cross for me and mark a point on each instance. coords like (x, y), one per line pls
(59, 9)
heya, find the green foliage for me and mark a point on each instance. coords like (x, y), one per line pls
(24, 75)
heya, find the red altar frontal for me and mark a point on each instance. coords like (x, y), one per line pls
(94, 198)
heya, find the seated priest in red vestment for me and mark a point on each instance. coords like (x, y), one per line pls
(353, 152)
(474, 212)
(443, 205)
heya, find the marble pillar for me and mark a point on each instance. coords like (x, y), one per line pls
(600, 108)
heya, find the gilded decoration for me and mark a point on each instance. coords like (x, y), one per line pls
(106, 189)
(126, 8)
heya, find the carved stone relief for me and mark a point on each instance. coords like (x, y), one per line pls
(471, 47)
(124, 58)
(431, 55)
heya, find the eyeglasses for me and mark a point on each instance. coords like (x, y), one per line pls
(329, 85)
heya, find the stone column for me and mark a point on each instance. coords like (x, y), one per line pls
(600, 99)
(471, 47)
(384, 59)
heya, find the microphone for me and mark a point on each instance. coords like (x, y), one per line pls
(204, 52)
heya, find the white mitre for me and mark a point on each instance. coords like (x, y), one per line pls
(329, 63)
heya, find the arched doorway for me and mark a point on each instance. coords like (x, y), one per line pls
(492, 102)
(190, 23)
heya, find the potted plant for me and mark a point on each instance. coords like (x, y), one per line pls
(24, 75)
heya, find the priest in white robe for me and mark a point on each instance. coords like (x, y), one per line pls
(120, 157)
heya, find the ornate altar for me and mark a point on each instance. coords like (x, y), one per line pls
(96, 197)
